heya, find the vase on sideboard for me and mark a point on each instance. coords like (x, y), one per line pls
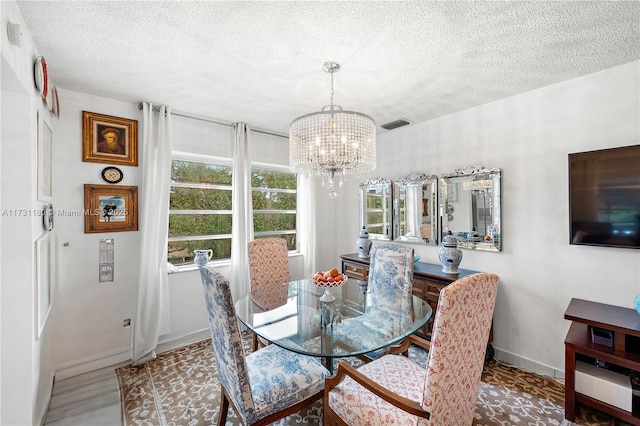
(449, 254)
(364, 243)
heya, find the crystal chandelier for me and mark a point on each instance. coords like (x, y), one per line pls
(332, 143)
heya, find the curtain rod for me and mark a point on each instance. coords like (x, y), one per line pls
(211, 120)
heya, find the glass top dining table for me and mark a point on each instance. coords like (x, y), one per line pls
(357, 322)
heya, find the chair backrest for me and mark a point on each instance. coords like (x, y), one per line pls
(458, 344)
(227, 342)
(269, 271)
(390, 274)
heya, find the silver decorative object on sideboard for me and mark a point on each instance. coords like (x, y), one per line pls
(473, 193)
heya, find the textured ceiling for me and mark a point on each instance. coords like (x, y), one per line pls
(261, 62)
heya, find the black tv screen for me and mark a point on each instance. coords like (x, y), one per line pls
(604, 197)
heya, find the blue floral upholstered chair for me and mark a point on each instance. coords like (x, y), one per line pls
(266, 385)
(390, 287)
(390, 275)
(395, 390)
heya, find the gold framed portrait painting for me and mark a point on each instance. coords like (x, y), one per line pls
(108, 139)
(109, 208)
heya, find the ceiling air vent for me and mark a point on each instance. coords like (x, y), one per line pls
(395, 124)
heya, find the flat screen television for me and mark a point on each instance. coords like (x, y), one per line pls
(604, 197)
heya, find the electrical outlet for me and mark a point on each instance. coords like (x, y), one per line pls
(126, 323)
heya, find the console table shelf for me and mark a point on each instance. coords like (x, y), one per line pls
(624, 324)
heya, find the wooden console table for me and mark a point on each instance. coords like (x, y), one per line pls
(428, 280)
(624, 323)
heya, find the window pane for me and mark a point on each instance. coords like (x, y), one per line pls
(190, 172)
(269, 200)
(181, 252)
(196, 224)
(273, 179)
(186, 225)
(199, 199)
(273, 222)
(274, 191)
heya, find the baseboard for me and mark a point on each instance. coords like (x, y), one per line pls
(170, 343)
(122, 356)
(528, 364)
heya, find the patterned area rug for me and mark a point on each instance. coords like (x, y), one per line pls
(181, 387)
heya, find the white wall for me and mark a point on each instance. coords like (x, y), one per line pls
(529, 137)
(25, 363)
(89, 314)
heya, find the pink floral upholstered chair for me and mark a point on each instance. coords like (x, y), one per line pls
(395, 390)
(269, 274)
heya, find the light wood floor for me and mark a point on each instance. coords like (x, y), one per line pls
(90, 399)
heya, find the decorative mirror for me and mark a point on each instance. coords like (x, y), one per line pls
(470, 207)
(415, 207)
(375, 208)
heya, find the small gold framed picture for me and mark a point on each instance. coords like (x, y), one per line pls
(109, 208)
(108, 139)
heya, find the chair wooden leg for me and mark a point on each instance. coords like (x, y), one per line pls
(326, 416)
(259, 343)
(224, 408)
(329, 417)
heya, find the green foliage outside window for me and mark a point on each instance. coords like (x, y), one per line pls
(274, 200)
(261, 178)
(188, 225)
(200, 207)
(199, 199)
(192, 172)
(199, 210)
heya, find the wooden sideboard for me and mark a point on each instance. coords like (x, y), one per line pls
(620, 350)
(428, 280)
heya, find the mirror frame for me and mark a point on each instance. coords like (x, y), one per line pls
(384, 186)
(427, 183)
(474, 173)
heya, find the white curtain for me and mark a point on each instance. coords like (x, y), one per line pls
(242, 227)
(306, 223)
(153, 307)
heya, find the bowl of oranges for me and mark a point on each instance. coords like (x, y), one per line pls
(328, 279)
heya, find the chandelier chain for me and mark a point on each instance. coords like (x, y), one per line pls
(331, 90)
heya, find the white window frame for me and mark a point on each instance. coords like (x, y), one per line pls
(205, 159)
(283, 169)
(228, 162)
